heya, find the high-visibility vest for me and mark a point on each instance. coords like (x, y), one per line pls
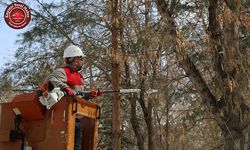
(74, 78)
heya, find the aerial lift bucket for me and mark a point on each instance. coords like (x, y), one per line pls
(48, 129)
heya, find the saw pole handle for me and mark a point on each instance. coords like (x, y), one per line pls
(149, 91)
(82, 93)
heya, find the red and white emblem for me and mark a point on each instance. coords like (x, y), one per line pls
(17, 15)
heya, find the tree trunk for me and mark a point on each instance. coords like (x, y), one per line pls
(136, 126)
(230, 71)
(147, 110)
(133, 102)
(150, 126)
(116, 119)
(236, 140)
(134, 120)
(231, 107)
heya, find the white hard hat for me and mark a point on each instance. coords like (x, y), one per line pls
(72, 51)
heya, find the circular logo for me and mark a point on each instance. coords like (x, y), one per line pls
(17, 15)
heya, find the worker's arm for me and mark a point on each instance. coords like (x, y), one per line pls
(58, 78)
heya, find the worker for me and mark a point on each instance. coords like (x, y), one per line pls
(69, 79)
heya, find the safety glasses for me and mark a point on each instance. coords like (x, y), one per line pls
(80, 58)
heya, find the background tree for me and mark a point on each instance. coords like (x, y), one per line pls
(226, 90)
(173, 46)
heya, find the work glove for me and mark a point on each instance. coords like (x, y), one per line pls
(69, 91)
(94, 93)
(46, 86)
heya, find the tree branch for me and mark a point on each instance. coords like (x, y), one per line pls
(186, 63)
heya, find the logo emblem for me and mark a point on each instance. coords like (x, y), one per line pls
(17, 15)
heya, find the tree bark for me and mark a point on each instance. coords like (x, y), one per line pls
(133, 119)
(116, 119)
(136, 126)
(231, 108)
(146, 109)
(135, 122)
(230, 70)
(148, 116)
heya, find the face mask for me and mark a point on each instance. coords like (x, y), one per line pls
(79, 68)
(80, 65)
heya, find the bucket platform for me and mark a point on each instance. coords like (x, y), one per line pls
(48, 129)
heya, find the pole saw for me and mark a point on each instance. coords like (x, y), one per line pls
(149, 91)
(49, 99)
